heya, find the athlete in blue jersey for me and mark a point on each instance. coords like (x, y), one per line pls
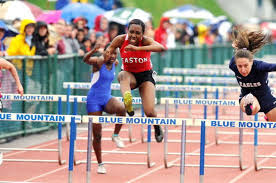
(99, 99)
(252, 74)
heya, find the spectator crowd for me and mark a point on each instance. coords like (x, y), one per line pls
(38, 38)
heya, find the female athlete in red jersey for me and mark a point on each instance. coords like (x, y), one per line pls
(135, 50)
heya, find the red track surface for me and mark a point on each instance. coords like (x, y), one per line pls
(54, 173)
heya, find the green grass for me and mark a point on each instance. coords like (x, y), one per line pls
(44, 4)
(155, 7)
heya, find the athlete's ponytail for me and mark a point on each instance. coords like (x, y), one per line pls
(247, 43)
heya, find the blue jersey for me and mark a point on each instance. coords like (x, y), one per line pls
(100, 91)
(256, 81)
(101, 81)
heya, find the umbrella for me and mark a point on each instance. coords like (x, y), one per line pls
(125, 15)
(35, 9)
(189, 11)
(18, 9)
(50, 17)
(86, 10)
(9, 30)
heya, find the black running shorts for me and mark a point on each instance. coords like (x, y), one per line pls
(144, 76)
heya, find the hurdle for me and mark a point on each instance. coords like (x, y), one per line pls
(256, 155)
(36, 118)
(149, 163)
(136, 121)
(221, 80)
(73, 119)
(138, 101)
(231, 124)
(159, 87)
(40, 98)
(204, 102)
(116, 86)
(115, 120)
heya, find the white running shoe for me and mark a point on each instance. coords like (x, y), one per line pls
(248, 99)
(101, 169)
(118, 141)
(1, 158)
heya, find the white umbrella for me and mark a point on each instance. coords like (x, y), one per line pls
(125, 15)
(189, 11)
(15, 9)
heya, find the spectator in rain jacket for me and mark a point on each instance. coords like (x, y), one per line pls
(22, 45)
(4, 33)
(160, 34)
(41, 40)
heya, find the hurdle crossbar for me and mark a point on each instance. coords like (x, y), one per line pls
(160, 87)
(166, 153)
(36, 118)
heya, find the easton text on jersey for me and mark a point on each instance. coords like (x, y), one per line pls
(249, 84)
(134, 60)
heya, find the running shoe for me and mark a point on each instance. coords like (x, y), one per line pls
(101, 169)
(248, 101)
(118, 141)
(128, 103)
(158, 133)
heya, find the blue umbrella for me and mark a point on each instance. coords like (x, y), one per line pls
(86, 10)
(9, 30)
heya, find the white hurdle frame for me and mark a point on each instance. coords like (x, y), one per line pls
(116, 86)
(36, 118)
(137, 100)
(168, 101)
(217, 80)
(162, 87)
(96, 119)
(230, 124)
(132, 120)
(36, 98)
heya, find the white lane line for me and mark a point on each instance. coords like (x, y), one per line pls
(58, 169)
(173, 161)
(249, 169)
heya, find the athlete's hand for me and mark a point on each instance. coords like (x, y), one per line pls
(20, 89)
(131, 48)
(97, 47)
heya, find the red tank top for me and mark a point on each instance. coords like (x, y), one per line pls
(135, 61)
